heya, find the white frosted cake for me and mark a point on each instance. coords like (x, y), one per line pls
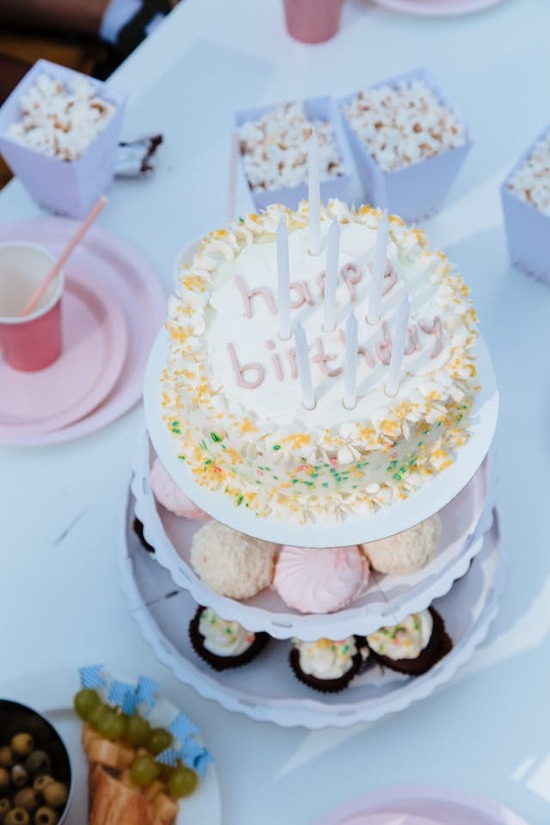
(231, 393)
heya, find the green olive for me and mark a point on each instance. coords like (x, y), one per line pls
(6, 756)
(26, 798)
(40, 782)
(38, 762)
(45, 816)
(55, 794)
(17, 816)
(19, 776)
(22, 744)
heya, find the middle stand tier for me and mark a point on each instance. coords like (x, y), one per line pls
(388, 599)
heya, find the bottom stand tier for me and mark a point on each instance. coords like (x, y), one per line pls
(266, 689)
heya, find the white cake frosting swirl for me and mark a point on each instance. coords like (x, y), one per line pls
(231, 395)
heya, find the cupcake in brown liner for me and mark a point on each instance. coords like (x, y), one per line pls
(414, 645)
(223, 644)
(137, 527)
(326, 665)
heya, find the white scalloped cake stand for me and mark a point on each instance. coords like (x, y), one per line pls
(389, 598)
(266, 690)
(429, 499)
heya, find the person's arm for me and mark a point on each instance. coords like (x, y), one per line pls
(72, 16)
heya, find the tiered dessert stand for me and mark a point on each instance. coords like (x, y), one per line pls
(462, 581)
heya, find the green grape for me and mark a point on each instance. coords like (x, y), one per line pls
(182, 782)
(158, 740)
(112, 725)
(137, 731)
(85, 701)
(144, 770)
(96, 715)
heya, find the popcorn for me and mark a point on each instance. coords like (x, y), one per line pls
(274, 148)
(531, 182)
(403, 125)
(59, 122)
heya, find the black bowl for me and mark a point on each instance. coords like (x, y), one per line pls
(17, 718)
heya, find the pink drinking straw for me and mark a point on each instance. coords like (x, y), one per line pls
(62, 260)
(232, 183)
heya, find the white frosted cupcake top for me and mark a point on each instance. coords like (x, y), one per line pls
(405, 640)
(223, 638)
(326, 659)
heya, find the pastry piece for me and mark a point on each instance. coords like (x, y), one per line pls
(231, 563)
(223, 644)
(113, 799)
(111, 802)
(320, 580)
(167, 493)
(325, 665)
(414, 645)
(407, 551)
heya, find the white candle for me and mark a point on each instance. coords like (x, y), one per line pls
(331, 277)
(350, 364)
(398, 347)
(314, 194)
(378, 266)
(304, 368)
(283, 281)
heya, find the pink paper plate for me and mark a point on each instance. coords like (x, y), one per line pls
(121, 277)
(442, 805)
(438, 8)
(95, 343)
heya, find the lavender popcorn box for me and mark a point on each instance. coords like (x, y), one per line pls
(417, 190)
(67, 187)
(320, 108)
(527, 227)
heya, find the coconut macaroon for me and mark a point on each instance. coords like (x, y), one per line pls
(231, 563)
(407, 551)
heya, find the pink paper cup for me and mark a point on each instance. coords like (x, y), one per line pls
(312, 21)
(31, 342)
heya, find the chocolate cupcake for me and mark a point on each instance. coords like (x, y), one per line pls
(326, 665)
(223, 644)
(137, 527)
(414, 645)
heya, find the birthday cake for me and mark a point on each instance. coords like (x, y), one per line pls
(305, 424)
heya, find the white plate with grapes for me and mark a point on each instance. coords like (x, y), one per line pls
(53, 694)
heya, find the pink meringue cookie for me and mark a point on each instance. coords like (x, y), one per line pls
(169, 494)
(320, 580)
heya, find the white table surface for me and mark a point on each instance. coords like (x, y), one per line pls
(60, 507)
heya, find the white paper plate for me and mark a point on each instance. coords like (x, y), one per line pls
(438, 8)
(451, 806)
(429, 499)
(266, 690)
(389, 599)
(51, 694)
